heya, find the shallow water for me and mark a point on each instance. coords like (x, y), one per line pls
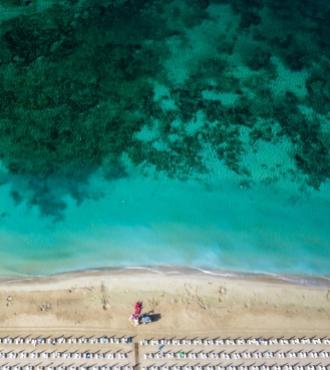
(152, 133)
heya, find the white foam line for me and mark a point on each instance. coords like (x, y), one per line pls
(142, 268)
(213, 273)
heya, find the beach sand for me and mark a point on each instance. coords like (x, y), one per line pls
(189, 303)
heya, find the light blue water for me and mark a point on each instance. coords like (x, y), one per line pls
(144, 133)
(140, 221)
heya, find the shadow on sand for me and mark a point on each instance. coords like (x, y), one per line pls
(154, 316)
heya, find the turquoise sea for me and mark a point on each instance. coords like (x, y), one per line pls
(153, 133)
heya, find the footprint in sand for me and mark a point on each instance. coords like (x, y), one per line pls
(9, 300)
(328, 295)
(222, 291)
(45, 307)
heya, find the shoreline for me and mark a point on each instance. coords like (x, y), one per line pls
(170, 270)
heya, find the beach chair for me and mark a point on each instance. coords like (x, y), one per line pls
(230, 341)
(42, 340)
(219, 367)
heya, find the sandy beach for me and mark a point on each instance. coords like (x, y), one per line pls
(188, 303)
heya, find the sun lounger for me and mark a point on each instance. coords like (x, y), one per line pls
(243, 367)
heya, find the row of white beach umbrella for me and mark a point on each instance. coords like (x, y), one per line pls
(236, 355)
(172, 341)
(65, 340)
(65, 354)
(239, 341)
(241, 367)
(62, 367)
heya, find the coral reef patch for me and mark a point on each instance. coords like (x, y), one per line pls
(91, 86)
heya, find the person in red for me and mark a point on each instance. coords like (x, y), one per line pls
(138, 308)
(135, 317)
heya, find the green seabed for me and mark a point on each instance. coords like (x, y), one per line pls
(153, 133)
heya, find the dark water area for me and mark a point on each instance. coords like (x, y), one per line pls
(226, 95)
